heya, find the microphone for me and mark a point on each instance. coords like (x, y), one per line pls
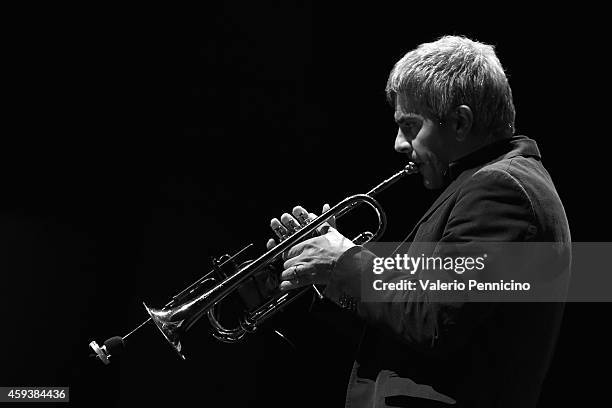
(113, 346)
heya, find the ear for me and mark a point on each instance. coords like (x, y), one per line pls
(464, 122)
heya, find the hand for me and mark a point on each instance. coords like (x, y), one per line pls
(313, 260)
(310, 261)
(289, 224)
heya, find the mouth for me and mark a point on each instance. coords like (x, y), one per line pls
(413, 167)
(414, 159)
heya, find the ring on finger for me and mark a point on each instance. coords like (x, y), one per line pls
(296, 277)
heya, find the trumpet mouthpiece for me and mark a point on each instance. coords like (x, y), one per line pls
(411, 168)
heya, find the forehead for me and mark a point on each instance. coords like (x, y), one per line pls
(406, 108)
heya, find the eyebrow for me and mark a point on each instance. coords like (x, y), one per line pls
(405, 117)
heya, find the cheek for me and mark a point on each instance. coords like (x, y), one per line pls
(427, 145)
(423, 148)
(425, 138)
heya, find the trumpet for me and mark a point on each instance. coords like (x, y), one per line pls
(204, 296)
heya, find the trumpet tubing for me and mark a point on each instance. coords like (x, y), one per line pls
(202, 297)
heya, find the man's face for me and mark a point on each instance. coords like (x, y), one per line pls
(426, 142)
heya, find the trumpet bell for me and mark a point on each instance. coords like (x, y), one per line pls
(169, 329)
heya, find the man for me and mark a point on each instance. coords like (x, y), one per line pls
(454, 110)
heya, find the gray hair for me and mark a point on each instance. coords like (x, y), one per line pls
(453, 71)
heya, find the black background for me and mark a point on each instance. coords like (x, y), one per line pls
(138, 145)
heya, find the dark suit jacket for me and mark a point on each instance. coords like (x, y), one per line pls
(434, 352)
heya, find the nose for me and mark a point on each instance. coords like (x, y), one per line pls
(402, 143)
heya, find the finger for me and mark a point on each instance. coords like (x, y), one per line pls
(272, 243)
(290, 274)
(322, 230)
(279, 229)
(289, 264)
(296, 271)
(301, 215)
(290, 223)
(295, 277)
(289, 285)
(331, 220)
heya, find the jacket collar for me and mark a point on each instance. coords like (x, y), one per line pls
(498, 150)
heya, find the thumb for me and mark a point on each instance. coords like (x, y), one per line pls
(332, 220)
(329, 223)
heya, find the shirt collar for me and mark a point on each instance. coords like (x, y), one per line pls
(500, 149)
